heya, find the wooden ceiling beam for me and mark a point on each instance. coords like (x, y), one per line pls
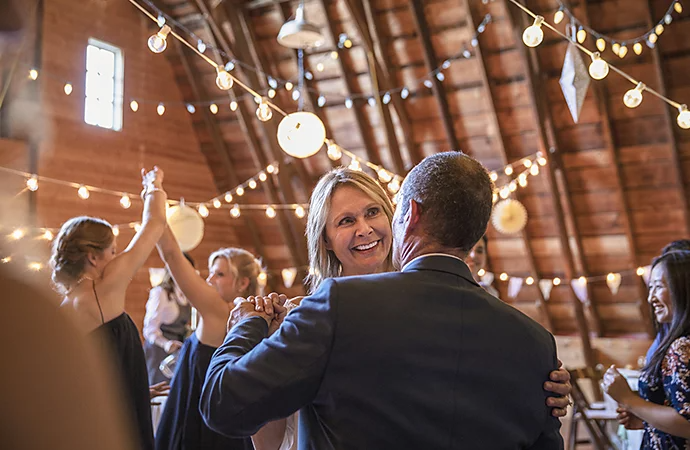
(365, 20)
(601, 98)
(546, 140)
(371, 149)
(431, 63)
(472, 14)
(245, 118)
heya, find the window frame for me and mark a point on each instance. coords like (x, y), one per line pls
(118, 82)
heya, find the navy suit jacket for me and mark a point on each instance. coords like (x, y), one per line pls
(419, 359)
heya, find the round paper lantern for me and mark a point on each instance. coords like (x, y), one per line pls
(186, 225)
(509, 216)
(301, 134)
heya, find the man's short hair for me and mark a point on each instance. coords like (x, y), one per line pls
(681, 244)
(455, 194)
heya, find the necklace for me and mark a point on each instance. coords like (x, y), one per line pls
(79, 281)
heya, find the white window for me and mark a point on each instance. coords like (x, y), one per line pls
(104, 76)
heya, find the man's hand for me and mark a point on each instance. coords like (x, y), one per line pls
(559, 384)
(244, 309)
(161, 389)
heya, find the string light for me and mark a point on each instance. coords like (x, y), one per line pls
(534, 35)
(233, 106)
(321, 101)
(288, 86)
(599, 68)
(541, 161)
(558, 17)
(601, 44)
(384, 175)
(224, 80)
(48, 235)
(503, 277)
(348, 103)
(125, 201)
(522, 180)
(334, 55)
(270, 168)
(334, 152)
(252, 184)
(214, 108)
(217, 203)
(33, 74)
(404, 93)
(659, 29)
(610, 277)
(615, 48)
(527, 163)
(354, 165)
(683, 115)
(637, 48)
(137, 227)
(623, 51)
(160, 109)
(633, 97)
(678, 7)
(271, 93)
(235, 211)
(239, 191)
(493, 176)
(264, 112)
(534, 170)
(68, 88)
(83, 192)
(319, 67)
(556, 281)
(529, 281)
(6, 259)
(508, 170)
(262, 177)
(581, 35)
(17, 234)
(504, 193)
(228, 197)
(494, 197)
(653, 38)
(481, 272)
(203, 210)
(270, 212)
(159, 41)
(640, 271)
(191, 108)
(299, 212)
(134, 105)
(116, 230)
(512, 187)
(32, 183)
(35, 266)
(394, 186)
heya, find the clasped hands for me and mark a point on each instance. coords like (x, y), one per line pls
(272, 308)
(615, 385)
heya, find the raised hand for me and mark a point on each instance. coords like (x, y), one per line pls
(152, 178)
(617, 386)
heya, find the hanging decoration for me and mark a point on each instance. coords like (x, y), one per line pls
(186, 225)
(509, 216)
(613, 281)
(289, 275)
(487, 278)
(514, 286)
(574, 81)
(580, 289)
(545, 286)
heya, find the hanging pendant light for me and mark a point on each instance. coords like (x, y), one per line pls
(299, 33)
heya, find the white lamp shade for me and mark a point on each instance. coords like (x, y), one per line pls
(301, 134)
(186, 225)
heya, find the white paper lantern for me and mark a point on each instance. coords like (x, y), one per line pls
(509, 216)
(186, 225)
(301, 134)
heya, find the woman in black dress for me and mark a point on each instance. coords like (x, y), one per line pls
(233, 272)
(93, 279)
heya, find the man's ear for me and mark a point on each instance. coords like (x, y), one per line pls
(415, 213)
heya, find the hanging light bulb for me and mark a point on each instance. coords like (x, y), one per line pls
(32, 183)
(235, 211)
(319, 67)
(224, 80)
(191, 108)
(504, 193)
(527, 163)
(529, 281)
(35, 266)
(271, 93)
(264, 112)
(334, 152)
(522, 180)
(17, 234)
(271, 212)
(494, 197)
(160, 109)
(512, 186)
(659, 29)
(334, 55)
(481, 272)
(640, 271)
(68, 88)
(556, 281)
(239, 191)
(558, 17)
(125, 201)
(615, 48)
(299, 212)
(354, 165)
(581, 35)
(116, 230)
(347, 43)
(201, 46)
(48, 235)
(508, 170)
(384, 175)
(228, 197)
(534, 170)
(262, 177)
(321, 101)
(134, 105)
(668, 19)
(33, 74)
(296, 94)
(541, 160)
(217, 203)
(137, 227)
(428, 84)
(684, 117)
(288, 86)
(348, 103)
(394, 186)
(598, 69)
(252, 184)
(678, 7)
(653, 38)
(213, 108)
(622, 52)
(633, 97)
(404, 93)
(493, 176)
(270, 168)
(534, 35)
(83, 192)
(503, 277)
(301, 134)
(158, 42)
(637, 48)
(203, 210)
(601, 44)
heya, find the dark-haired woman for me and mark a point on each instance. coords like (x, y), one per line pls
(663, 406)
(93, 278)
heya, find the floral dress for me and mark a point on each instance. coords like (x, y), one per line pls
(672, 389)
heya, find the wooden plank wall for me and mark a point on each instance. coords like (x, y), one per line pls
(73, 150)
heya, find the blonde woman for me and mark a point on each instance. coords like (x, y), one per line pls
(233, 272)
(93, 278)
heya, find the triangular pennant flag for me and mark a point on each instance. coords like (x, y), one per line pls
(613, 281)
(488, 278)
(289, 276)
(514, 286)
(545, 286)
(646, 274)
(580, 288)
(156, 276)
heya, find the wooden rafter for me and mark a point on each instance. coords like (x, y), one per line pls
(600, 96)
(431, 63)
(546, 142)
(260, 160)
(502, 145)
(372, 152)
(378, 81)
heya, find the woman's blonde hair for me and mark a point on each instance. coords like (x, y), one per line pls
(244, 265)
(323, 262)
(77, 237)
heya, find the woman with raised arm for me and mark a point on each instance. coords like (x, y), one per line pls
(233, 272)
(93, 278)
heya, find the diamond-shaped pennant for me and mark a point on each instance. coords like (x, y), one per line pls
(574, 81)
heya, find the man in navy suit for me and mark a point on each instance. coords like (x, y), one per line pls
(418, 359)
